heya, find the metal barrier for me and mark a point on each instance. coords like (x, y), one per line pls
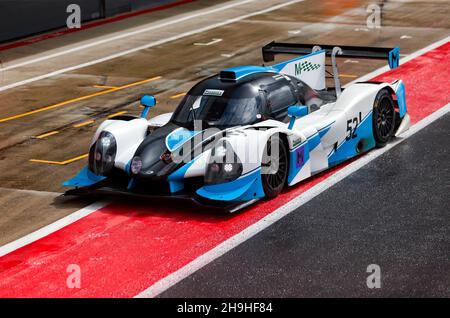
(22, 18)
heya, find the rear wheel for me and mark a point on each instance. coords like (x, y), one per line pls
(274, 167)
(383, 118)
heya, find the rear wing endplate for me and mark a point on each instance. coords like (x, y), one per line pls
(391, 54)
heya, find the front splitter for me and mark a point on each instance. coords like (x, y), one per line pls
(214, 206)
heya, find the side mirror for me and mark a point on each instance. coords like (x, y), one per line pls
(148, 101)
(295, 112)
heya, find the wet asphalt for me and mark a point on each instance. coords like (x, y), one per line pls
(393, 212)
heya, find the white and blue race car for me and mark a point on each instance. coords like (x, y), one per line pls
(246, 133)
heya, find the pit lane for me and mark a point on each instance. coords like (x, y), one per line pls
(36, 201)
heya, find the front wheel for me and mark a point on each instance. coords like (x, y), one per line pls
(274, 167)
(383, 118)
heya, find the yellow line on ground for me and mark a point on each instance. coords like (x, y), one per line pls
(138, 83)
(65, 162)
(117, 114)
(83, 124)
(79, 99)
(177, 96)
(104, 86)
(50, 133)
(348, 75)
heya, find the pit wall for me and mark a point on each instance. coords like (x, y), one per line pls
(22, 18)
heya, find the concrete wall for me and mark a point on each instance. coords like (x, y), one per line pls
(21, 18)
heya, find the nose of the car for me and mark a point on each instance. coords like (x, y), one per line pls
(148, 156)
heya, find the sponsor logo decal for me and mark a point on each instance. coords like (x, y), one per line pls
(213, 92)
(300, 154)
(305, 67)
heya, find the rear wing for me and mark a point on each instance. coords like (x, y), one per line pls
(307, 50)
(391, 54)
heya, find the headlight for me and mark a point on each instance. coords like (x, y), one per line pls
(220, 151)
(106, 141)
(102, 154)
(136, 165)
(224, 165)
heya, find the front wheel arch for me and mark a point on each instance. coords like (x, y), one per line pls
(274, 183)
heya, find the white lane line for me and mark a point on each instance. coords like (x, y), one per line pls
(126, 35)
(32, 192)
(149, 45)
(53, 227)
(213, 41)
(203, 260)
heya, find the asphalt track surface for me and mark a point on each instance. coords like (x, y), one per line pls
(393, 212)
(125, 248)
(46, 126)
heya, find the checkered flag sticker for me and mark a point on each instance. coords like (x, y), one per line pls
(310, 69)
(308, 66)
(305, 66)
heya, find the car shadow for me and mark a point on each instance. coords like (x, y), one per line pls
(146, 208)
(136, 207)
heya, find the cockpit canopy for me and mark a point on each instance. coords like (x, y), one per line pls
(221, 103)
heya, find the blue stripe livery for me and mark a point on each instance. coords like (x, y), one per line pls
(178, 137)
(176, 179)
(313, 141)
(242, 71)
(247, 187)
(323, 131)
(348, 148)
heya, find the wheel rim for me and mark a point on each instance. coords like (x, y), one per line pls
(385, 118)
(277, 178)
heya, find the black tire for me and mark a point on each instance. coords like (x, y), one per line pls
(384, 120)
(273, 181)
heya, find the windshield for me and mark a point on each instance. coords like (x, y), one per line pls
(217, 110)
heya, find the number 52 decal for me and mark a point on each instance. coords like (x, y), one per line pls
(352, 124)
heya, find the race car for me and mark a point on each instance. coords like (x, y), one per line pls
(248, 132)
